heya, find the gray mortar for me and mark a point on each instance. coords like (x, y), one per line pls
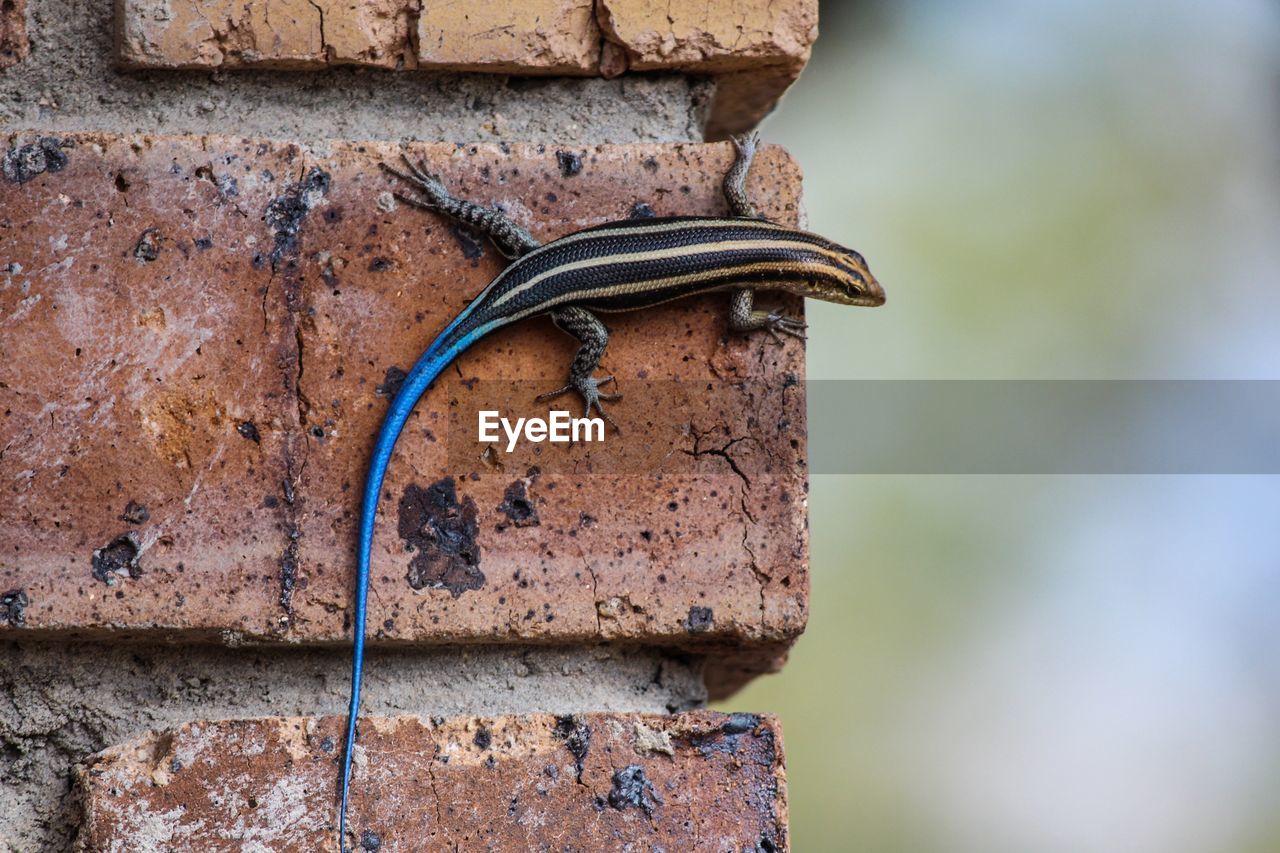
(60, 702)
(70, 83)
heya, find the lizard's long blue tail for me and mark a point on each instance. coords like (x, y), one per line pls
(429, 365)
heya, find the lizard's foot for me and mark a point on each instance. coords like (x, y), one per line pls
(588, 387)
(776, 324)
(745, 144)
(418, 176)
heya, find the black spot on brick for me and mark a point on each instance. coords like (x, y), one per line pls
(700, 619)
(228, 186)
(327, 744)
(740, 724)
(650, 164)
(631, 788)
(767, 845)
(13, 605)
(289, 571)
(728, 738)
(641, 210)
(472, 249)
(148, 245)
(118, 557)
(443, 532)
(570, 163)
(379, 265)
(43, 155)
(249, 430)
(285, 213)
(518, 507)
(203, 243)
(391, 382)
(135, 513)
(483, 738)
(369, 840)
(576, 735)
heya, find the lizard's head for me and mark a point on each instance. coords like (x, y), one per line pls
(843, 278)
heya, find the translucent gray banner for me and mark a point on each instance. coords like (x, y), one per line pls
(1044, 427)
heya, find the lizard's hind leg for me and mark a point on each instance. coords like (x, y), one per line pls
(735, 180)
(511, 240)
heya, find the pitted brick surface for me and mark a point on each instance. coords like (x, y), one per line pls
(195, 331)
(699, 780)
(768, 41)
(13, 32)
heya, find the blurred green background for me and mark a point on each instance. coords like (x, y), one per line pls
(1047, 190)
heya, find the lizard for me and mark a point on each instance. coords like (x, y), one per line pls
(618, 266)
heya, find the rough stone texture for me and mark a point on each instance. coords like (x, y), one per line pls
(710, 37)
(531, 37)
(13, 32)
(193, 394)
(269, 33)
(755, 49)
(700, 780)
(65, 701)
(759, 46)
(70, 82)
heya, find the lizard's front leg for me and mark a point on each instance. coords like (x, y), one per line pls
(586, 327)
(511, 240)
(744, 318)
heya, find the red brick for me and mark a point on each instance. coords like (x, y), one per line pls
(266, 33)
(13, 32)
(699, 780)
(755, 49)
(710, 37)
(530, 37)
(237, 404)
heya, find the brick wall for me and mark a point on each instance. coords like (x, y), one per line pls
(206, 287)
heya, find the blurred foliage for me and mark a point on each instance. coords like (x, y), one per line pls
(1046, 190)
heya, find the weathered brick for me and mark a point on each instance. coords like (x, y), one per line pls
(196, 330)
(266, 33)
(13, 32)
(699, 780)
(710, 38)
(755, 48)
(532, 37)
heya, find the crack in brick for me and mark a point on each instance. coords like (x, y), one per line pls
(413, 16)
(285, 215)
(722, 451)
(595, 593)
(435, 793)
(761, 578)
(325, 50)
